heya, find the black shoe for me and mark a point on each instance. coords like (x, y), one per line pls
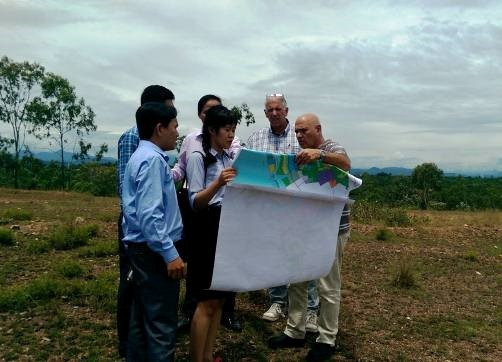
(231, 323)
(320, 352)
(285, 341)
(184, 323)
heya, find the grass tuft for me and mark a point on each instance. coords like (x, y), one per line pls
(18, 214)
(397, 217)
(383, 234)
(39, 246)
(471, 256)
(405, 276)
(100, 249)
(6, 237)
(72, 236)
(70, 269)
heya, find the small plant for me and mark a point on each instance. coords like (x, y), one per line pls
(92, 230)
(471, 256)
(39, 246)
(70, 269)
(383, 234)
(405, 276)
(69, 236)
(366, 212)
(6, 237)
(397, 217)
(18, 214)
(100, 249)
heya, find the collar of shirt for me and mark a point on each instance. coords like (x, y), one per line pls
(153, 146)
(283, 133)
(215, 153)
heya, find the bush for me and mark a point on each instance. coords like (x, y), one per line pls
(383, 234)
(18, 214)
(366, 212)
(71, 236)
(70, 269)
(471, 256)
(39, 246)
(6, 237)
(397, 217)
(405, 276)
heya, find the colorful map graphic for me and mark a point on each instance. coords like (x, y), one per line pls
(281, 171)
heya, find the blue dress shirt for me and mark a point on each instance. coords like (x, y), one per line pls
(196, 179)
(151, 212)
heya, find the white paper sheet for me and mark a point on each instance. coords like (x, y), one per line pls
(276, 239)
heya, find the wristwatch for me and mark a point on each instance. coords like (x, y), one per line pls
(322, 155)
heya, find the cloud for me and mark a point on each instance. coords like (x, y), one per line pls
(392, 81)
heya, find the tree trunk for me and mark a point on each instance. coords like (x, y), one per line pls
(62, 164)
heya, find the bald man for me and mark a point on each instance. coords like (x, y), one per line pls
(314, 147)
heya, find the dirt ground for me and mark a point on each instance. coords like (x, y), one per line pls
(452, 311)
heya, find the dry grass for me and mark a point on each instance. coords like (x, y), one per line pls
(453, 313)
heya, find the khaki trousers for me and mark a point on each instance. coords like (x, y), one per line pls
(329, 296)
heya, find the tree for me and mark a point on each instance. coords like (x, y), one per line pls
(243, 111)
(5, 143)
(426, 178)
(59, 115)
(17, 82)
(83, 154)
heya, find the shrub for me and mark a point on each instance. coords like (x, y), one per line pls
(70, 269)
(39, 246)
(383, 234)
(366, 212)
(6, 237)
(471, 256)
(405, 276)
(18, 214)
(92, 230)
(397, 217)
(71, 236)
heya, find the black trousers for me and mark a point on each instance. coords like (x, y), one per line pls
(124, 294)
(154, 317)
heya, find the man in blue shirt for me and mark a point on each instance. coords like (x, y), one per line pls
(152, 225)
(127, 144)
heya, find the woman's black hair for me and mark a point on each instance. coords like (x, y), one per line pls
(216, 117)
(204, 99)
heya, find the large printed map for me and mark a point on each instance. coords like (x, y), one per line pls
(281, 171)
(270, 211)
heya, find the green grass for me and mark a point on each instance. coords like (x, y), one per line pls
(70, 269)
(38, 246)
(471, 256)
(6, 237)
(101, 248)
(397, 217)
(18, 214)
(405, 276)
(71, 236)
(383, 234)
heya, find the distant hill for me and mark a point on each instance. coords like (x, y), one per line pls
(56, 156)
(402, 171)
(396, 171)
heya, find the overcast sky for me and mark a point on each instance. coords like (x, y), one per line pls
(397, 83)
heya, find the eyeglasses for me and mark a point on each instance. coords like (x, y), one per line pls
(275, 95)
